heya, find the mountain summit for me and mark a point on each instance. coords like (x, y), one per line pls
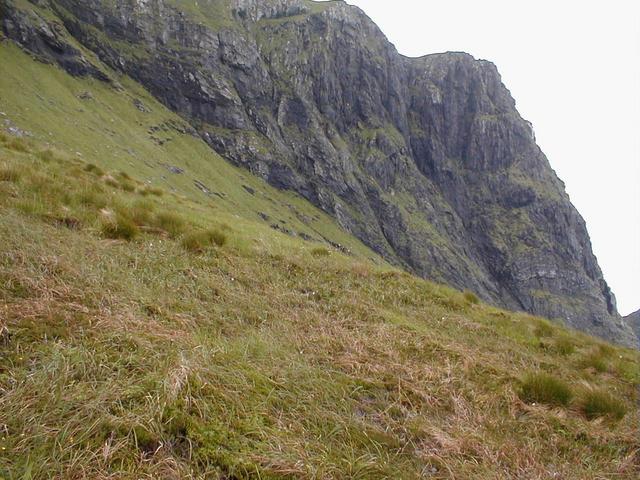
(426, 160)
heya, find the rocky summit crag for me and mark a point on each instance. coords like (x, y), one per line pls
(426, 160)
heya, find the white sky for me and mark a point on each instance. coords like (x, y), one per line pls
(573, 68)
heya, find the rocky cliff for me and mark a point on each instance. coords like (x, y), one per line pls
(633, 320)
(424, 159)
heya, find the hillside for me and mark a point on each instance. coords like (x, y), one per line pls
(426, 160)
(144, 336)
(151, 330)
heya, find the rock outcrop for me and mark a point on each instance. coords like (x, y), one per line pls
(426, 160)
(633, 320)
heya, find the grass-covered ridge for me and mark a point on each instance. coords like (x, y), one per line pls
(257, 355)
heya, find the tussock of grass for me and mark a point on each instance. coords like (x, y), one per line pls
(599, 403)
(110, 181)
(141, 212)
(18, 145)
(543, 329)
(596, 361)
(118, 226)
(91, 196)
(9, 174)
(471, 297)
(320, 252)
(564, 345)
(46, 155)
(127, 186)
(198, 242)
(171, 223)
(158, 192)
(91, 168)
(544, 388)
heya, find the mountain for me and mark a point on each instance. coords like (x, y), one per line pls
(425, 160)
(167, 314)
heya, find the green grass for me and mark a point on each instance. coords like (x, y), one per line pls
(119, 227)
(544, 388)
(8, 174)
(111, 135)
(320, 252)
(599, 403)
(262, 359)
(199, 241)
(471, 297)
(595, 360)
(171, 223)
(565, 346)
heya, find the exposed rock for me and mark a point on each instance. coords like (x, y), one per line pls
(633, 320)
(426, 160)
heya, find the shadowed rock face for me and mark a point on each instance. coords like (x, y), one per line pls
(426, 160)
(633, 320)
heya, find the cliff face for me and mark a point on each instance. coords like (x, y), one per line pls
(426, 160)
(633, 320)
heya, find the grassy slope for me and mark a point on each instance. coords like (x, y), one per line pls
(267, 357)
(109, 131)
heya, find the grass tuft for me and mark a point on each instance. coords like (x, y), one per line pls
(564, 346)
(119, 227)
(320, 252)
(595, 360)
(9, 174)
(18, 145)
(198, 242)
(46, 155)
(599, 403)
(171, 223)
(544, 388)
(543, 329)
(471, 297)
(91, 168)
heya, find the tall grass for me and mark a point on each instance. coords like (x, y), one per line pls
(597, 403)
(544, 388)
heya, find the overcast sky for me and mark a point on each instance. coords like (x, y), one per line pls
(573, 68)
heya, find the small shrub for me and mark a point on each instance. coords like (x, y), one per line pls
(543, 329)
(544, 388)
(3, 137)
(198, 242)
(158, 192)
(470, 297)
(18, 145)
(124, 176)
(9, 174)
(120, 227)
(320, 252)
(564, 346)
(599, 403)
(170, 222)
